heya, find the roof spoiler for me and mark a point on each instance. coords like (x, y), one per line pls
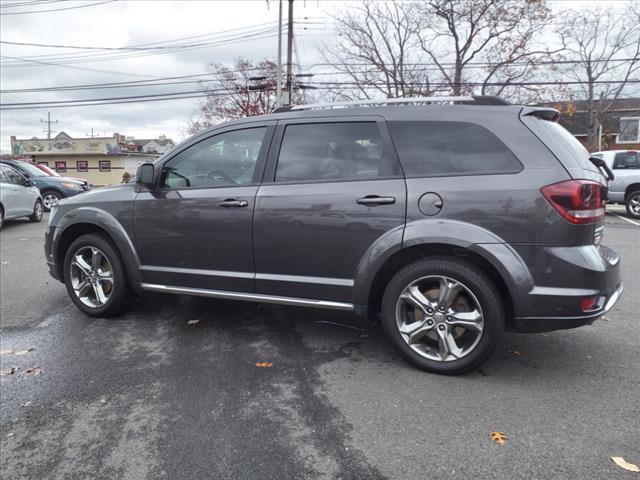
(544, 113)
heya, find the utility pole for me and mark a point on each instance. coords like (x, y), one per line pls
(289, 52)
(48, 121)
(91, 133)
(279, 73)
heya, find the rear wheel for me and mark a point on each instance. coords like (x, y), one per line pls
(95, 276)
(443, 315)
(50, 198)
(633, 204)
(1, 216)
(38, 210)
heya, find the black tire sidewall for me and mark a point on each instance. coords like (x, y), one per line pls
(481, 286)
(121, 288)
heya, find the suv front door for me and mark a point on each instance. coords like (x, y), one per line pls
(195, 228)
(332, 188)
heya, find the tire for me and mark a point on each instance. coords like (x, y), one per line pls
(633, 204)
(476, 296)
(116, 294)
(38, 210)
(50, 198)
(1, 216)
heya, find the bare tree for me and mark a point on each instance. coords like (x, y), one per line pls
(606, 42)
(487, 42)
(376, 51)
(244, 90)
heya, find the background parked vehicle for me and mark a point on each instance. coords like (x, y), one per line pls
(52, 173)
(52, 189)
(625, 187)
(19, 197)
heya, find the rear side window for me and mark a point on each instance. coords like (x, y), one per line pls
(450, 148)
(333, 152)
(625, 160)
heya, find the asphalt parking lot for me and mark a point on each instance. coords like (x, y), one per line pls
(171, 390)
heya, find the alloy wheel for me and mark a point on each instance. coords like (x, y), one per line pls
(439, 318)
(634, 203)
(50, 200)
(38, 210)
(91, 277)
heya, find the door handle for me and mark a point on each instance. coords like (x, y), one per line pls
(376, 200)
(230, 202)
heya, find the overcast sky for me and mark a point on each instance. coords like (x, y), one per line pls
(126, 23)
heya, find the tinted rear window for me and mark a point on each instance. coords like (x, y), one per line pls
(450, 148)
(626, 160)
(560, 141)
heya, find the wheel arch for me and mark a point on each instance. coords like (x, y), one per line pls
(631, 188)
(86, 220)
(456, 239)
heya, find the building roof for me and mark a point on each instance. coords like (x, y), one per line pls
(162, 143)
(575, 116)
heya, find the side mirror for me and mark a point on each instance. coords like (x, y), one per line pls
(31, 182)
(145, 174)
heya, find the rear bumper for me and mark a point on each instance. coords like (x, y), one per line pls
(547, 324)
(569, 275)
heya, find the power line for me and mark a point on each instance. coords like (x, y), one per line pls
(222, 91)
(60, 9)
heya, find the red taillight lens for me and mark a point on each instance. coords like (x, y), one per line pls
(578, 201)
(589, 303)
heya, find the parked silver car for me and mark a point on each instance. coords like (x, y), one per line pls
(625, 187)
(18, 196)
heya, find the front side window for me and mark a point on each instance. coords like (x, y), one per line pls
(13, 177)
(333, 152)
(450, 148)
(624, 160)
(629, 130)
(224, 160)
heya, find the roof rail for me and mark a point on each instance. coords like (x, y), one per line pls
(465, 100)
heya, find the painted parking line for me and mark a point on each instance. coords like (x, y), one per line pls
(624, 218)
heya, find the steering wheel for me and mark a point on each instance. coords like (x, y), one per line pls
(214, 177)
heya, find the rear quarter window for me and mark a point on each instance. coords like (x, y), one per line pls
(428, 148)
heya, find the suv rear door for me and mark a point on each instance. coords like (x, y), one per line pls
(332, 187)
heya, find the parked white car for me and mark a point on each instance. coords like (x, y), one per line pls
(18, 196)
(625, 187)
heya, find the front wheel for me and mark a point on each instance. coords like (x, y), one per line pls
(95, 276)
(443, 315)
(50, 198)
(38, 210)
(633, 204)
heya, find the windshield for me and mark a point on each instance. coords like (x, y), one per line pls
(33, 171)
(51, 173)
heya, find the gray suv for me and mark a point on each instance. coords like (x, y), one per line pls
(448, 222)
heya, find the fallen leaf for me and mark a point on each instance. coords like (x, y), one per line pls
(515, 352)
(103, 401)
(34, 370)
(498, 437)
(8, 371)
(264, 364)
(604, 319)
(622, 463)
(193, 322)
(26, 404)
(24, 352)
(6, 352)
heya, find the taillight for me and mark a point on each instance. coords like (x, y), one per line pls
(578, 201)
